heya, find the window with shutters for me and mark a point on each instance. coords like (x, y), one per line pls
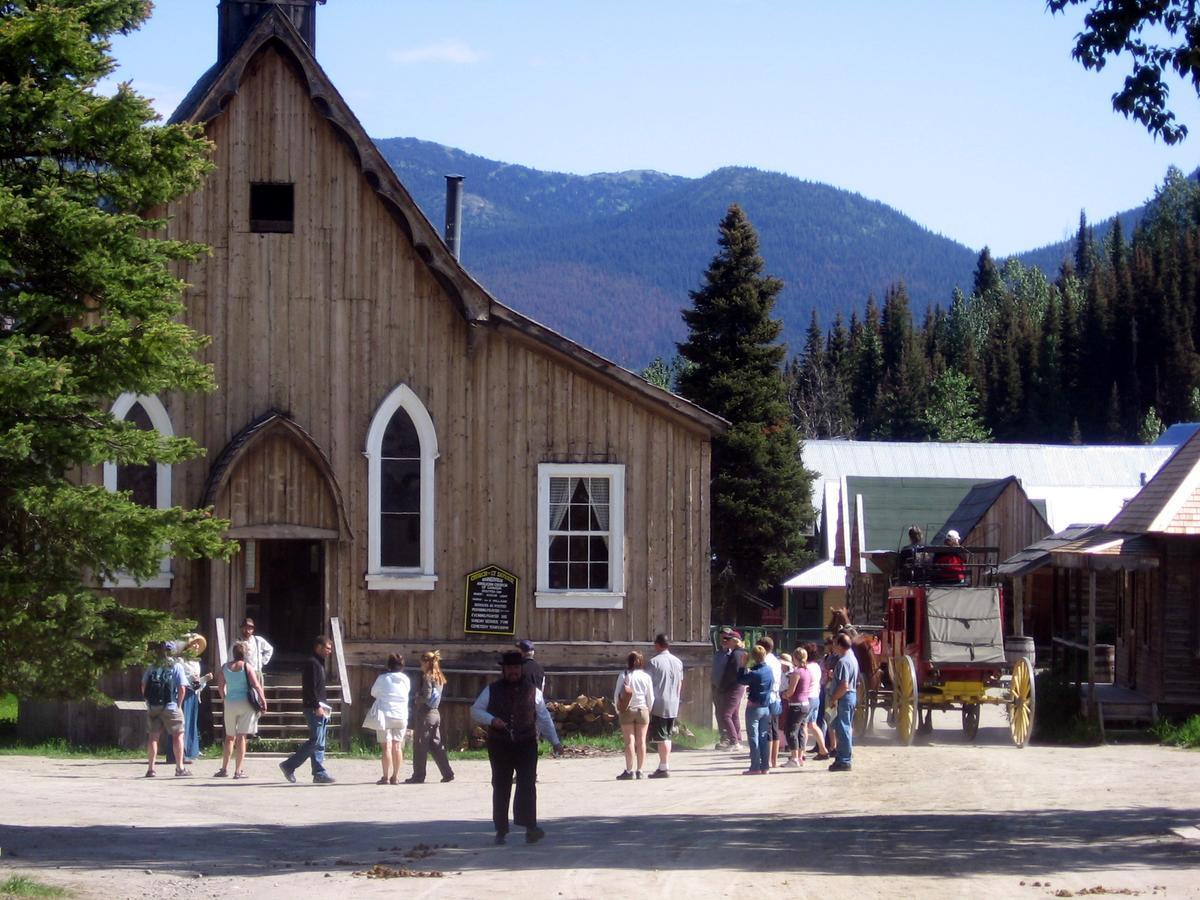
(581, 536)
(149, 484)
(401, 450)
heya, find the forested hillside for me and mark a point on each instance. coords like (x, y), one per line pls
(1106, 351)
(609, 259)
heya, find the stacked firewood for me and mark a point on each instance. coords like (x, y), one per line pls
(587, 716)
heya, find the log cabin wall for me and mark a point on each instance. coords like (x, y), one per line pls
(323, 323)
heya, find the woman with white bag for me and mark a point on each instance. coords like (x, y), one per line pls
(388, 715)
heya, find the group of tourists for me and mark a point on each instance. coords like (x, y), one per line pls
(786, 700)
(174, 687)
(784, 697)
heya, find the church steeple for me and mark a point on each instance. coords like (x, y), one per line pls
(237, 19)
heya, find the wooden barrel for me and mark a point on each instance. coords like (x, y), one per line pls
(1016, 646)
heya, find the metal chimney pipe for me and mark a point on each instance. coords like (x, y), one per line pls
(454, 194)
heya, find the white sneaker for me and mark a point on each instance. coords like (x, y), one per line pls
(791, 764)
(737, 748)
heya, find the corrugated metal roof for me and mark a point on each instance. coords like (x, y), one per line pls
(1177, 434)
(891, 505)
(823, 575)
(1077, 483)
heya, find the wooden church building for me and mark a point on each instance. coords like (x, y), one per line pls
(384, 428)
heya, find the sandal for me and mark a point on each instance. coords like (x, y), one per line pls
(183, 773)
(150, 773)
(394, 780)
(383, 781)
(221, 773)
(240, 775)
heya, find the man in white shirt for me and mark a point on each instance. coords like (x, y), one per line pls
(514, 712)
(666, 671)
(258, 651)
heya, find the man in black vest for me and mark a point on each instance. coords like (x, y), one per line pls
(513, 711)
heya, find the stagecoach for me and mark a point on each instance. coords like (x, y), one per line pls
(941, 646)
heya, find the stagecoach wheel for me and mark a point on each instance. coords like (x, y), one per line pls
(1021, 707)
(904, 698)
(862, 712)
(970, 716)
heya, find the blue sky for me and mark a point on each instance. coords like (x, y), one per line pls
(968, 116)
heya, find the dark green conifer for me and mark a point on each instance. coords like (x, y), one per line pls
(760, 492)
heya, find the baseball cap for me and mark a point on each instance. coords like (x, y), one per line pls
(525, 645)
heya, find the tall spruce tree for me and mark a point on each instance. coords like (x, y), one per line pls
(760, 492)
(88, 310)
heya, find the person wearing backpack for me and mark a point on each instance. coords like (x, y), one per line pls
(163, 690)
(427, 720)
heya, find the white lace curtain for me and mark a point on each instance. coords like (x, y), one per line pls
(563, 493)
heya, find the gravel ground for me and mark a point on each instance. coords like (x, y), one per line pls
(940, 819)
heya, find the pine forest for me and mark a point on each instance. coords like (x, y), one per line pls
(1101, 351)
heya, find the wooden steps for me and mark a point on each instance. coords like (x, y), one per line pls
(284, 718)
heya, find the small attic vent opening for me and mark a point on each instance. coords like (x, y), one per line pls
(272, 207)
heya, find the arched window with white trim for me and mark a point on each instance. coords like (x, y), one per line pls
(149, 483)
(401, 450)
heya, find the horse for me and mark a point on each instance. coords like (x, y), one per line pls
(865, 647)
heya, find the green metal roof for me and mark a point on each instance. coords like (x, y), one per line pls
(891, 505)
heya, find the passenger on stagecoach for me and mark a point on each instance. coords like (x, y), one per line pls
(913, 557)
(949, 566)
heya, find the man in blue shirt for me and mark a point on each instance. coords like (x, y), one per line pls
(162, 688)
(845, 677)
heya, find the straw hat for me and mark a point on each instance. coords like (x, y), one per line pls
(195, 641)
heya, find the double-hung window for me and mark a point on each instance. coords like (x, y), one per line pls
(581, 536)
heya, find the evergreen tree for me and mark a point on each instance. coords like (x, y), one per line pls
(906, 373)
(987, 276)
(868, 368)
(952, 412)
(761, 495)
(1084, 247)
(88, 310)
(1151, 427)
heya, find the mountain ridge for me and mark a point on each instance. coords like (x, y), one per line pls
(632, 244)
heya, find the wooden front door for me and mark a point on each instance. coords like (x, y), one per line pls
(285, 593)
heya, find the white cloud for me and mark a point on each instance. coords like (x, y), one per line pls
(458, 53)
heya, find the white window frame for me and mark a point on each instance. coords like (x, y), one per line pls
(544, 597)
(393, 578)
(161, 422)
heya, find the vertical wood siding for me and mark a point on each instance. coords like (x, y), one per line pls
(323, 323)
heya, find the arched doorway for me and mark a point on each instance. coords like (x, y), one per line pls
(285, 507)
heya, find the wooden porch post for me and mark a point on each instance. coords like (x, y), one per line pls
(1019, 606)
(1091, 644)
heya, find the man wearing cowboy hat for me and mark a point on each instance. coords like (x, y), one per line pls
(513, 711)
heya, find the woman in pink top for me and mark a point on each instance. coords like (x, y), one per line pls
(798, 688)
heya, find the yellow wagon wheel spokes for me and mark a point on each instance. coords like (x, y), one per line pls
(904, 698)
(1021, 706)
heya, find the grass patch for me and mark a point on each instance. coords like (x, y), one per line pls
(22, 886)
(1057, 718)
(8, 708)
(1185, 734)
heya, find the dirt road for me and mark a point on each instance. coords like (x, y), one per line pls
(945, 819)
